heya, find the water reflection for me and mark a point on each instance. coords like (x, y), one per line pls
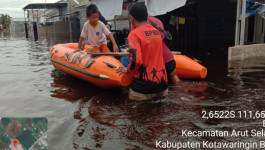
(2, 34)
(5, 34)
(248, 72)
(111, 120)
(25, 87)
(83, 116)
(69, 88)
(107, 119)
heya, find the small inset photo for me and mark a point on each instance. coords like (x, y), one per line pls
(23, 133)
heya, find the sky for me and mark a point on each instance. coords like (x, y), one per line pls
(14, 7)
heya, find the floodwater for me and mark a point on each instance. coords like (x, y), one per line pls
(82, 116)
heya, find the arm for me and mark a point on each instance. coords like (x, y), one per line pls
(135, 56)
(115, 47)
(82, 36)
(110, 36)
(135, 53)
(80, 42)
(79, 48)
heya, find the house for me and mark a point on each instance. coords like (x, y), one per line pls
(17, 26)
(77, 13)
(208, 27)
(199, 28)
(47, 20)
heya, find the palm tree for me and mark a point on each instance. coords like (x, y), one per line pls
(5, 20)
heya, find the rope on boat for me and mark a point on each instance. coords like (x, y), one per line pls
(100, 76)
(88, 63)
(76, 58)
(68, 56)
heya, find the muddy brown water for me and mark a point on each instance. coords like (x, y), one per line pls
(82, 116)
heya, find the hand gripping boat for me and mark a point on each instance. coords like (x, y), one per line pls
(101, 70)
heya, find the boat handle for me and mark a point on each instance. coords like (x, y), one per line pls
(51, 51)
(109, 65)
(54, 53)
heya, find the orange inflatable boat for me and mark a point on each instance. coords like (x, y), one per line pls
(188, 68)
(101, 70)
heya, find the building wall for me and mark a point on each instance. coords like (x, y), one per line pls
(259, 35)
(259, 28)
(259, 31)
(185, 36)
(82, 17)
(17, 28)
(30, 29)
(209, 27)
(255, 29)
(62, 12)
(77, 17)
(216, 26)
(59, 30)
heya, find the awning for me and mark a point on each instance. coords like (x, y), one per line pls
(160, 7)
(45, 5)
(109, 8)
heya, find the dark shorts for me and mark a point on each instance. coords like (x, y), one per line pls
(170, 66)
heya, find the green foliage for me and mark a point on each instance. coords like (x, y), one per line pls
(5, 20)
(26, 139)
(20, 120)
(36, 120)
(5, 140)
(5, 121)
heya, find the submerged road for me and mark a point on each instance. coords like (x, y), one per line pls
(82, 116)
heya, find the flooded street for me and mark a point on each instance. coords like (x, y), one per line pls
(82, 116)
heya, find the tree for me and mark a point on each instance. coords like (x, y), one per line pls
(5, 20)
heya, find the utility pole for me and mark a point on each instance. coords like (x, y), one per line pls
(240, 22)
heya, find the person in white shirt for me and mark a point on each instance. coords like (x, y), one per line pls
(96, 32)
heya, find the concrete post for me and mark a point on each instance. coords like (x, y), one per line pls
(240, 22)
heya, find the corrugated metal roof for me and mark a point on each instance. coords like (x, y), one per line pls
(45, 5)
